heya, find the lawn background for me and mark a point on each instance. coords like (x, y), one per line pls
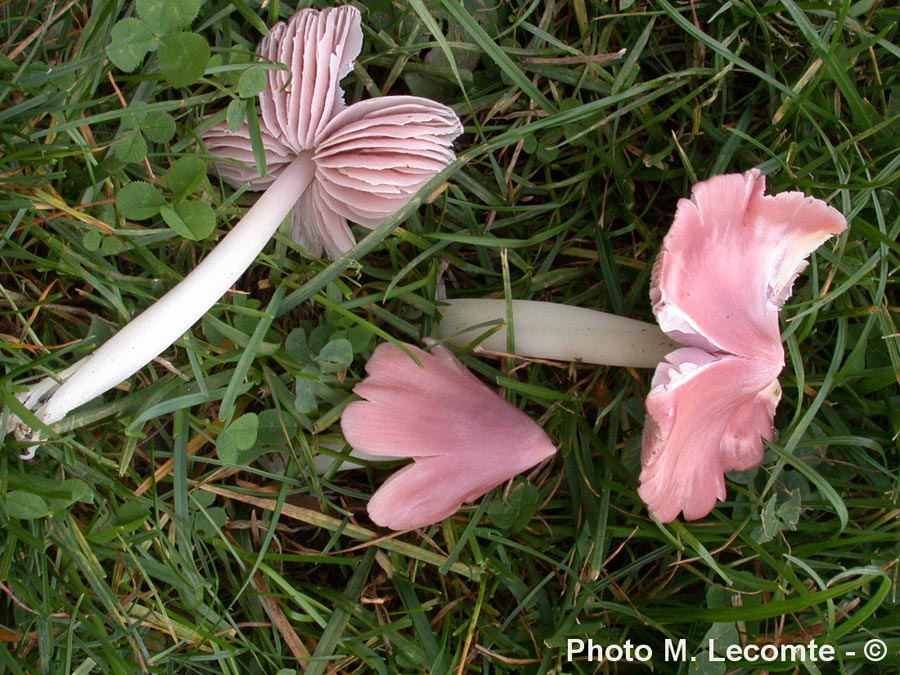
(177, 525)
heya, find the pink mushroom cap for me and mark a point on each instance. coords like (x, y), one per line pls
(371, 158)
(727, 266)
(464, 438)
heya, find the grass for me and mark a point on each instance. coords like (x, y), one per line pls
(130, 546)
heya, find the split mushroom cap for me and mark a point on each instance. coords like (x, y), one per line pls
(371, 158)
(727, 266)
(464, 438)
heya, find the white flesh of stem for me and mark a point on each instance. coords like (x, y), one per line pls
(547, 330)
(161, 324)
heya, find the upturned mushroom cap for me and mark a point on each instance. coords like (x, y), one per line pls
(464, 438)
(727, 266)
(317, 49)
(371, 157)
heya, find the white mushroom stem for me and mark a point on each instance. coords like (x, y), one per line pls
(161, 324)
(547, 330)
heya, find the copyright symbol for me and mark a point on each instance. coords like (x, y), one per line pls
(875, 649)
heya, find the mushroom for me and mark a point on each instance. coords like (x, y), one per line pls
(712, 402)
(464, 438)
(370, 158)
(329, 162)
(727, 266)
